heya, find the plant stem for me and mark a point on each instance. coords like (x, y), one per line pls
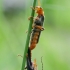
(28, 37)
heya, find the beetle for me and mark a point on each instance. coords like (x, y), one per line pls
(37, 27)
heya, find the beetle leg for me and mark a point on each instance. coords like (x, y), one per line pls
(42, 29)
(25, 67)
(32, 8)
(35, 64)
(30, 17)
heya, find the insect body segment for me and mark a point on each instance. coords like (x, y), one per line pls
(37, 28)
(30, 65)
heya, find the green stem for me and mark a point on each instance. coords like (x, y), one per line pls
(28, 37)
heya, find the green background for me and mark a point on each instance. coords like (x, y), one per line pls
(54, 43)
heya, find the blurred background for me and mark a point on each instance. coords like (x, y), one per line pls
(54, 44)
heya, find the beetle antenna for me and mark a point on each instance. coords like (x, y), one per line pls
(39, 3)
